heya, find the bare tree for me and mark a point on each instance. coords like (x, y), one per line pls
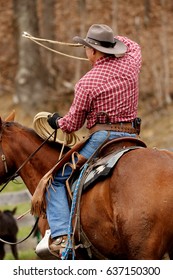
(165, 58)
(31, 76)
(115, 15)
(82, 12)
(47, 30)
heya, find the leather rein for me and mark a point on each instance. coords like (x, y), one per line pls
(16, 174)
(22, 240)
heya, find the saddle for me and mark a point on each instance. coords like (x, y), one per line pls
(120, 143)
(107, 157)
(95, 169)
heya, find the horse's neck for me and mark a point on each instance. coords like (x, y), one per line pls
(35, 168)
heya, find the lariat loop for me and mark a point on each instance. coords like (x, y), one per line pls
(37, 41)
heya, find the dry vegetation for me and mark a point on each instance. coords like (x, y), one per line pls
(148, 22)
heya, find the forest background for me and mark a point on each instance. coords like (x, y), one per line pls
(34, 79)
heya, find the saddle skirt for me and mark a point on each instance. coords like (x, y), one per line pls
(108, 156)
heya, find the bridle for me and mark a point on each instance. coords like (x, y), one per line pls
(13, 176)
(16, 173)
(3, 157)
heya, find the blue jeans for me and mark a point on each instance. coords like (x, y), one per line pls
(58, 211)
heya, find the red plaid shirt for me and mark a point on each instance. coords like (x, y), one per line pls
(111, 86)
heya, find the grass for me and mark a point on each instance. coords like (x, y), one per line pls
(24, 252)
(23, 255)
(15, 186)
(21, 207)
(24, 231)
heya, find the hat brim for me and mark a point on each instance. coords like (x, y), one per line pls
(119, 48)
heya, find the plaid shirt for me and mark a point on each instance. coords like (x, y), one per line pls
(111, 86)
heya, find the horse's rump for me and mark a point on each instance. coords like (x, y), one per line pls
(128, 214)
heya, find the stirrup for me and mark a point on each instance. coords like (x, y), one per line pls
(43, 250)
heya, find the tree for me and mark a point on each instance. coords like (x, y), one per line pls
(47, 30)
(165, 57)
(31, 78)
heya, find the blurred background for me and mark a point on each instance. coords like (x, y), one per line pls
(34, 79)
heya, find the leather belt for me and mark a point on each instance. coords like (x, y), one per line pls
(119, 127)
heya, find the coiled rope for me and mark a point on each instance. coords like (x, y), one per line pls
(43, 129)
(38, 40)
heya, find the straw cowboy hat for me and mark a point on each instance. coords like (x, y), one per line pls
(101, 38)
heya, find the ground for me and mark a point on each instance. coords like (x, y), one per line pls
(157, 128)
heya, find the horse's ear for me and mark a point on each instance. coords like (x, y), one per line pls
(13, 211)
(11, 117)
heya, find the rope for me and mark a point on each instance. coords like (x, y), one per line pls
(27, 35)
(69, 247)
(35, 40)
(22, 240)
(43, 129)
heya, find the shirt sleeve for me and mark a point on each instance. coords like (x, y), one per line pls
(77, 114)
(133, 49)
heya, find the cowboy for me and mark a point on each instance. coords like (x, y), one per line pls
(106, 98)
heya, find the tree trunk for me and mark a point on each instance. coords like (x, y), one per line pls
(48, 32)
(82, 14)
(31, 76)
(165, 59)
(115, 16)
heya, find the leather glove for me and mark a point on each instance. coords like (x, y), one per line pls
(52, 120)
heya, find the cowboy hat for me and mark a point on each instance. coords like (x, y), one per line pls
(101, 38)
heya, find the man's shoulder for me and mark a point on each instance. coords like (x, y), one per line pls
(87, 78)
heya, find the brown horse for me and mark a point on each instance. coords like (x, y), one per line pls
(128, 215)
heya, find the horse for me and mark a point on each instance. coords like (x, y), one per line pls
(8, 232)
(125, 216)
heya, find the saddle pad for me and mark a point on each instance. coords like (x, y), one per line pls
(104, 169)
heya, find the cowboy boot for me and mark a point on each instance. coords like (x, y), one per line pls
(58, 245)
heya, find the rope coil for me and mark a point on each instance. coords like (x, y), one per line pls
(43, 129)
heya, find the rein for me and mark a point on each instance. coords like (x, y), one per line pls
(23, 164)
(18, 242)
(14, 176)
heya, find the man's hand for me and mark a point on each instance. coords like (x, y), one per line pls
(53, 120)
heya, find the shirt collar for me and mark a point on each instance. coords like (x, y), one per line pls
(102, 59)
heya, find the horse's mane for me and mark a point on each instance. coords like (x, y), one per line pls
(32, 132)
